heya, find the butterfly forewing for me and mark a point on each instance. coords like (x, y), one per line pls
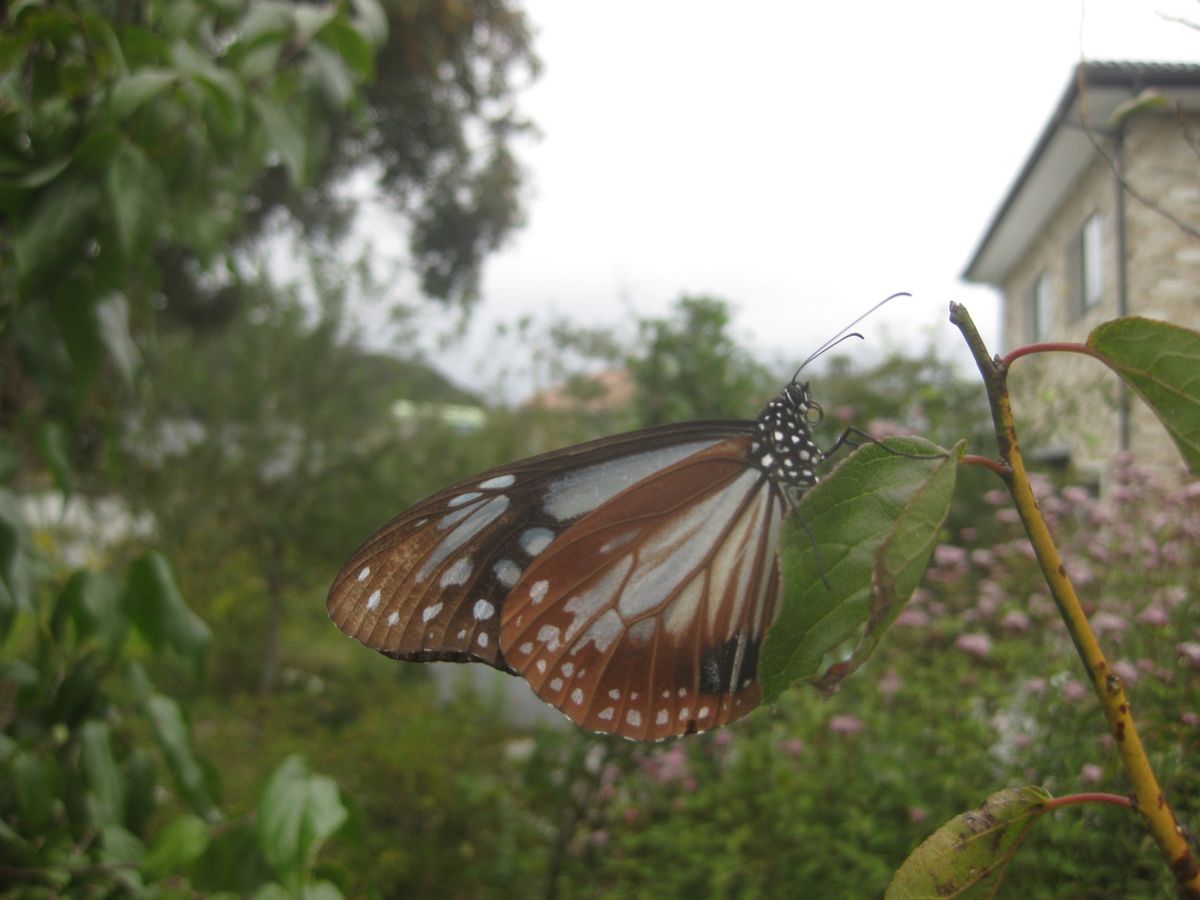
(645, 616)
(431, 584)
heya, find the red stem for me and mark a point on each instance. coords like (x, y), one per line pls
(1048, 347)
(970, 459)
(1093, 797)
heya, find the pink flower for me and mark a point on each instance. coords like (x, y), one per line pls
(1126, 671)
(949, 555)
(912, 618)
(1190, 719)
(983, 558)
(1078, 496)
(1016, 621)
(978, 645)
(722, 739)
(1091, 774)
(996, 497)
(1189, 654)
(1154, 615)
(1007, 516)
(968, 534)
(917, 814)
(846, 724)
(630, 815)
(793, 746)
(1036, 686)
(890, 683)
(1074, 690)
(1108, 623)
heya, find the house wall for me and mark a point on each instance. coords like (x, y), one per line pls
(1069, 403)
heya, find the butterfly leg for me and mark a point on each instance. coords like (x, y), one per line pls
(856, 437)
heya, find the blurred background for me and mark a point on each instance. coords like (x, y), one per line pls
(271, 272)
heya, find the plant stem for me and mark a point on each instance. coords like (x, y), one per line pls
(1148, 797)
(1088, 797)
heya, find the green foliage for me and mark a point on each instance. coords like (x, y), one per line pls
(122, 132)
(1161, 362)
(852, 556)
(967, 856)
(689, 366)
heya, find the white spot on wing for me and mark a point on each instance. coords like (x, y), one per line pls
(484, 610)
(507, 572)
(393, 618)
(430, 612)
(585, 489)
(556, 684)
(500, 481)
(607, 712)
(534, 540)
(568, 669)
(703, 712)
(548, 635)
(633, 717)
(457, 573)
(482, 640)
(661, 718)
(614, 694)
(365, 573)
(577, 696)
(373, 600)
(464, 498)
(541, 667)
(537, 593)
(526, 648)
(478, 520)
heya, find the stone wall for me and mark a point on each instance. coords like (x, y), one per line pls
(1068, 403)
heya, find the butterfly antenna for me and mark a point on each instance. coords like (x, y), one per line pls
(843, 336)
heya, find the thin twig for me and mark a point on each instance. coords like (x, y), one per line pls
(970, 459)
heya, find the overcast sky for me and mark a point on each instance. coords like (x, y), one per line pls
(799, 160)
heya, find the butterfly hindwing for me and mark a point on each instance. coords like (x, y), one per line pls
(645, 616)
(431, 584)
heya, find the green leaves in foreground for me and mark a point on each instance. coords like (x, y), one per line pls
(966, 857)
(1161, 362)
(873, 524)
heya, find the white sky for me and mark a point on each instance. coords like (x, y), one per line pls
(799, 160)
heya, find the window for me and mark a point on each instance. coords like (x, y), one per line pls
(1041, 309)
(1085, 263)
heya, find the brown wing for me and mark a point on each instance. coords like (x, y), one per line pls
(644, 618)
(430, 585)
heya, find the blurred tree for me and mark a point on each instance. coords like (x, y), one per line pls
(145, 145)
(277, 444)
(689, 366)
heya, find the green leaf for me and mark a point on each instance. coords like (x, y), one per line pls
(133, 91)
(136, 193)
(52, 446)
(1161, 362)
(31, 783)
(141, 776)
(284, 136)
(179, 844)
(1147, 100)
(175, 741)
(158, 611)
(299, 810)
(92, 600)
(103, 777)
(41, 174)
(351, 45)
(966, 857)
(52, 233)
(874, 520)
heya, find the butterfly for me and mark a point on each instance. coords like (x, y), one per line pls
(629, 580)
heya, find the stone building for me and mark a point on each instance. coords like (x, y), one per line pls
(1102, 221)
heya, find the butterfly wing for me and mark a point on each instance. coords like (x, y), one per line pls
(431, 584)
(645, 616)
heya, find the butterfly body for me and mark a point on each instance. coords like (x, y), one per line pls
(630, 580)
